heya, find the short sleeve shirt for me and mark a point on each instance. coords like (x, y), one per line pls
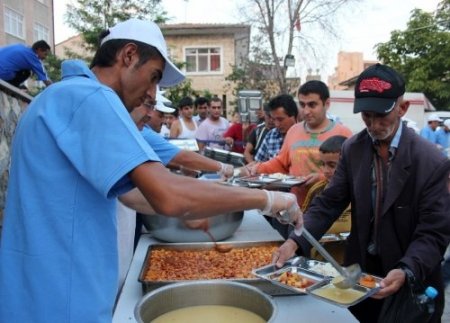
(211, 133)
(72, 152)
(163, 148)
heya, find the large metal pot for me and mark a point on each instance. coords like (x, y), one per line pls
(213, 292)
(172, 229)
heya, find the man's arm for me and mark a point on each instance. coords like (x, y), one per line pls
(432, 233)
(248, 152)
(250, 145)
(198, 199)
(192, 160)
(136, 201)
(175, 129)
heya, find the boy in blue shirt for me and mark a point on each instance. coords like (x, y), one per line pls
(18, 61)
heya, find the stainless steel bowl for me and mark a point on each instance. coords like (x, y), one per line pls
(172, 229)
(212, 292)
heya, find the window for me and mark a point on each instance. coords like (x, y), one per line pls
(14, 23)
(40, 32)
(203, 60)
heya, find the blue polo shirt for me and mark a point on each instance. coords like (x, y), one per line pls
(14, 58)
(164, 149)
(71, 155)
(429, 134)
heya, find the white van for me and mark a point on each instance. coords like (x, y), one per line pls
(342, 107)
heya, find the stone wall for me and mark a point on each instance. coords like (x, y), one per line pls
(12, 103)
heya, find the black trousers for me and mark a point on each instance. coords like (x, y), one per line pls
(19, 78)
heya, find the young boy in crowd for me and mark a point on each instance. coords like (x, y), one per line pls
(330, 152)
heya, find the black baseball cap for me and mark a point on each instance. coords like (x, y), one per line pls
(377, 89)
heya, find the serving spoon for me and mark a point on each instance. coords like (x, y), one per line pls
(349, 275)
(218, 247)
(202, 224)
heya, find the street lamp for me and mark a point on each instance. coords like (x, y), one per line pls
(289, 61)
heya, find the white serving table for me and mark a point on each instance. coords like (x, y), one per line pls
(297, 308)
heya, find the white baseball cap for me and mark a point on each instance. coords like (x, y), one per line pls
(161, 102)
(447, 123)
(149, 33)
(434, 117)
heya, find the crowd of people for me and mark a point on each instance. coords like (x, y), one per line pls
(73, 185)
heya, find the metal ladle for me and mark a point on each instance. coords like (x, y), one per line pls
(350, 275)
(220, 248)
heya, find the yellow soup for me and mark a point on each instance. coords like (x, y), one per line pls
(342, 296)
(208, 314)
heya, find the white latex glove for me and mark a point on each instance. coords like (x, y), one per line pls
(284, 207)
(226, 170)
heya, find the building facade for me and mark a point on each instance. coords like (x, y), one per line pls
(209, 52)
(26, 21)
(349, 65)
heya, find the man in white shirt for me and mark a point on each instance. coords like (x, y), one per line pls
(185, 127)
(210, 132)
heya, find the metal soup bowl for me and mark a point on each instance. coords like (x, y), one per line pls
(172, 229)
(211, 292)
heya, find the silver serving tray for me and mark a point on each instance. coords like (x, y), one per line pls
(366, 292)
(287, 183)
(262, 284)
(270, 182)
(259, 179)
(272, 273)
(306, 267)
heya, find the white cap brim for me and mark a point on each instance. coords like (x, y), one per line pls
(160, 100)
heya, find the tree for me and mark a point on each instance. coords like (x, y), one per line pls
(53, 67)
(277, 23)
(421, 54)
(90, 17)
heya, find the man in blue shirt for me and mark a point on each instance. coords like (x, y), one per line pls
(443, 137)
(58, 253)
(18, 61)
(429, 131)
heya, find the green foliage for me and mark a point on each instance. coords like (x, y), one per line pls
(90, 17)
(421, 54)
(179, 91)
(53, 67)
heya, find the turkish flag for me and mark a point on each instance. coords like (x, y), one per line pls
(297, 24)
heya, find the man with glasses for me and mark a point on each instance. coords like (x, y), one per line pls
(396, 182)
(185, 127)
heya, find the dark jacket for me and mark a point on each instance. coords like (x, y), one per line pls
(415, 223)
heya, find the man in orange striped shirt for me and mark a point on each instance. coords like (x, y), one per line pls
(299, 155)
